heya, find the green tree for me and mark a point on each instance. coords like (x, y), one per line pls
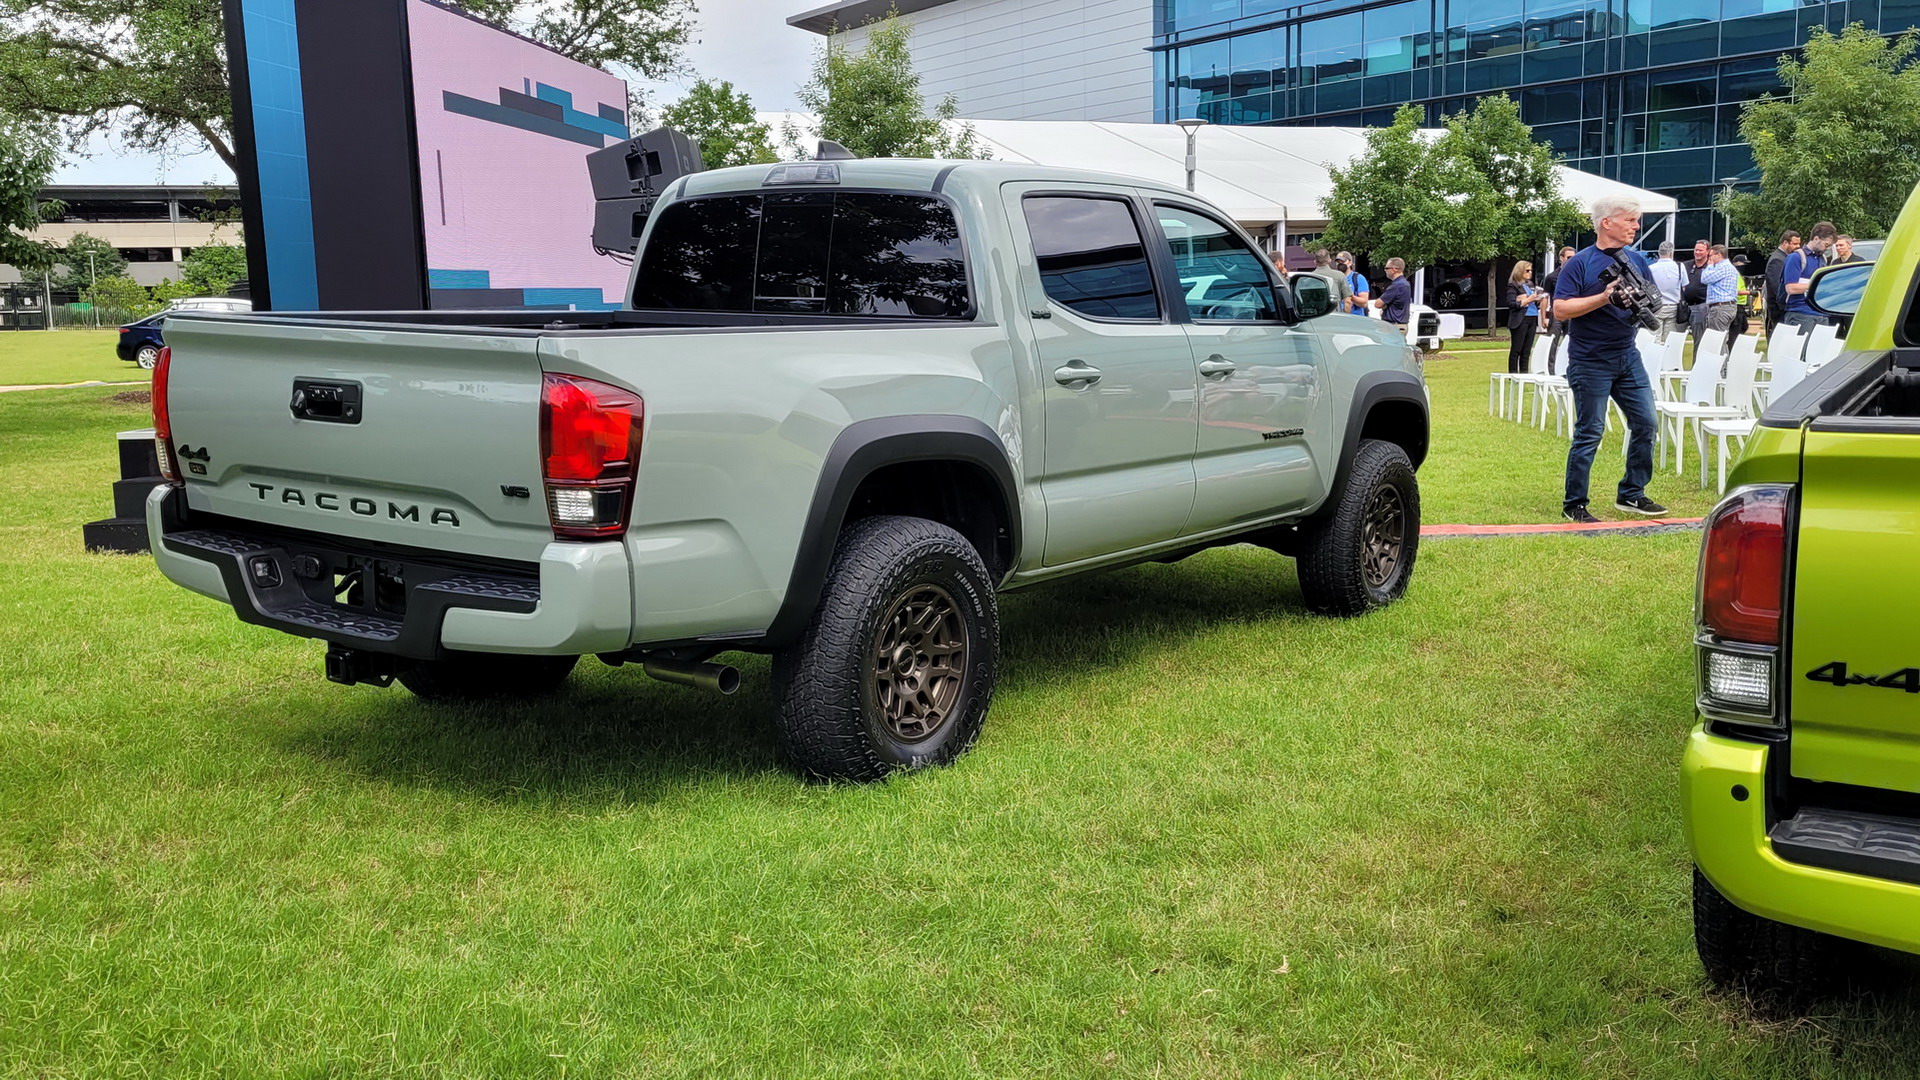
(1483, 189)
(869, 101)
(1843, 145)
(724, 123)
(214, 268)
(155, 71)
(1515, 181)
(87, 259)
(1400, 198)
(119, 297)
(27, 159)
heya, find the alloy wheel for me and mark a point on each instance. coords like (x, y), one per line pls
(918, 663)
(1383, 536)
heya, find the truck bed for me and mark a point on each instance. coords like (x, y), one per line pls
(557, 322)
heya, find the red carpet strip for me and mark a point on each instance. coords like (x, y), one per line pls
(1652, 525)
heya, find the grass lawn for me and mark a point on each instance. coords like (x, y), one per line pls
(35, 357)
(1204, 835)
(1485, 470)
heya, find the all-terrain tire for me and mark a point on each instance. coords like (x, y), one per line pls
(1360, 555)
(473, 676)
(1770, 962)
(896, 670)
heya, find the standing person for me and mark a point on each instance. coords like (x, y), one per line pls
(1774, 293)
(1602, 362)
(1550, 321)
(1693, 294)
(1843, 253)
(1798, 273)
(1341, 292)
(1355, 280)
(1723, 283)
(1523, 316)
(1393, 303)
(1667, 277)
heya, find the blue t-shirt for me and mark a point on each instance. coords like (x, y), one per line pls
(1800, 266)
(1605, 333)
(1393, 302)
(1358, 283)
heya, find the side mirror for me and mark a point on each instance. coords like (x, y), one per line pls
(1836, 289)
(1312, 294)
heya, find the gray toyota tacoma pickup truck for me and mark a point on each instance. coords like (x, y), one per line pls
(847, 404)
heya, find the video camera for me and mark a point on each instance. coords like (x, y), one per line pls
(1633, 292)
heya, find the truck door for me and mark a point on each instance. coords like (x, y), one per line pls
(1263, 413)
(1115, 373)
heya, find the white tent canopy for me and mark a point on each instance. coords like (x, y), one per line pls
(1260, 175)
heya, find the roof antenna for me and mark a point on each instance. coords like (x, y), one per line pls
(833, 151)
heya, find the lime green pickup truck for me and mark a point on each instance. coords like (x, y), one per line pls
(1801, 787)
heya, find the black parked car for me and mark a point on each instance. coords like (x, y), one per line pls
(140, 341)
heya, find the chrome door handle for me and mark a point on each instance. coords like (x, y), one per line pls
(1076, 371)
(1216, 365)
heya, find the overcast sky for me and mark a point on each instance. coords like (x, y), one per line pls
(746, 42)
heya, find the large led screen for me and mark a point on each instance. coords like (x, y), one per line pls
(504, 127)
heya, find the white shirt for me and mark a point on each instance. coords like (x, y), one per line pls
(1667, 277)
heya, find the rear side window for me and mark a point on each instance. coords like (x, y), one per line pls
(807, 253)
(1091, 256)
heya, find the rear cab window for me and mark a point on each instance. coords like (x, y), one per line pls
(1091, 256)
(807, 253)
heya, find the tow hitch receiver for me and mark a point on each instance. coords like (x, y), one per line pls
(350, 666)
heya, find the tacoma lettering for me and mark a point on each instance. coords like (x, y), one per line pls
(364, 507)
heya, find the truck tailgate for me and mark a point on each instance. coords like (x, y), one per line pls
(1853, 683)
(441, 451)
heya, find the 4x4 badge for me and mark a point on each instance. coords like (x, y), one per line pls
(1906, 678)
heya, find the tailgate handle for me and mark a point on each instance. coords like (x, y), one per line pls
(326, 400)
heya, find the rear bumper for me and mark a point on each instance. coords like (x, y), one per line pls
(577, 599)
(1729, 838)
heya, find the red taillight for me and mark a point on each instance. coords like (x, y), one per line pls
(162, 426)
(590, 451)
(1743, 566)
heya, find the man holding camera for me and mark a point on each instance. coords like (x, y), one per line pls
(1602, 361)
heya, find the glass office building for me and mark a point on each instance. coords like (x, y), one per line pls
(1644, 91)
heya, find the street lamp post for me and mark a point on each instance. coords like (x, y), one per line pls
(1191, 125)
(1726, 194)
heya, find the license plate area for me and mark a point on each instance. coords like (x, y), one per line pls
(363, 584)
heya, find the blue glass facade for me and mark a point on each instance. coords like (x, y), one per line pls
(1644, 91)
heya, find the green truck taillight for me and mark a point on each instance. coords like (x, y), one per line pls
(1743, 575)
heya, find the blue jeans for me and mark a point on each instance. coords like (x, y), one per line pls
(1622, 378)
(1804, 319)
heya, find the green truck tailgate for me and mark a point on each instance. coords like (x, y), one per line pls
(1853, 680)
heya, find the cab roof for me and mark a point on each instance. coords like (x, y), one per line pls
(911, 174)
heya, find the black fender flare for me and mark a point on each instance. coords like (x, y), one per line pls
(1374, 388)
(860, 450)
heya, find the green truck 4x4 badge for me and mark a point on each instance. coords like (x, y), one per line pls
(1907, 678)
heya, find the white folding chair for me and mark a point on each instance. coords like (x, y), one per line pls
(1536, 378)
(1713, 346)
(1698, 400)
(1499, 381)
(1785, 341)
(1741, 365)
(1786, 374)
(1823, 344)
